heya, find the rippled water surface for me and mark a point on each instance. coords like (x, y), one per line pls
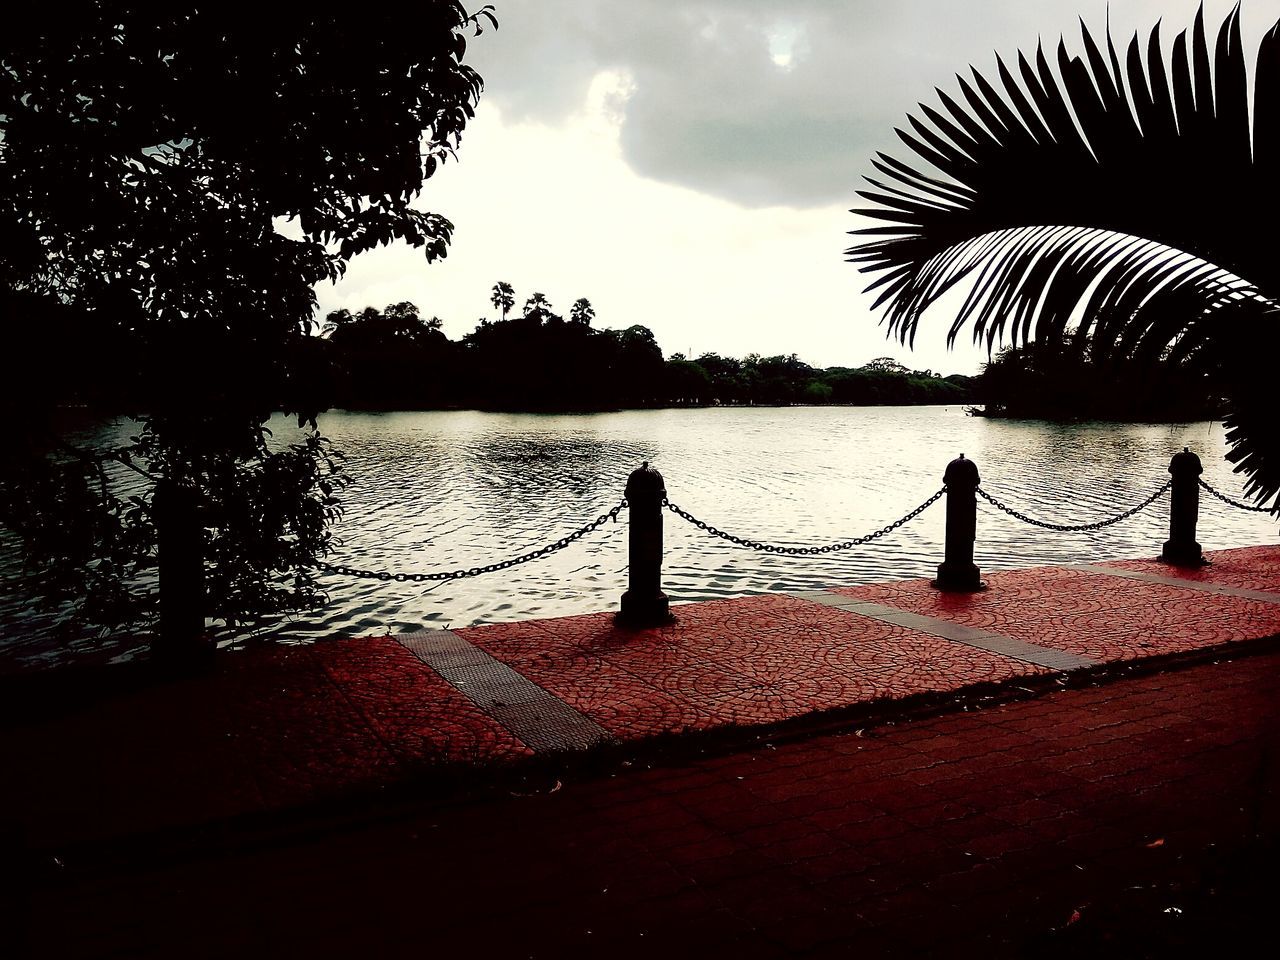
(440, 490)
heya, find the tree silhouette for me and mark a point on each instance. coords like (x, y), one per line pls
(885, 365)
(392, 358)
(582, 312)
(1051, 380)
(1118, 195)
(537, 302)
(503, 297)
(147, 155)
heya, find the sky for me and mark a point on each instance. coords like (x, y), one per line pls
(690, 166)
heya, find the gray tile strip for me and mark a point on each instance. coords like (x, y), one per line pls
(1200, 585)
(957, 632)
(542, 720)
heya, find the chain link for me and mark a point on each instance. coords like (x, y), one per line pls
(1075, 528)
(476, 571)
(1235, 503)
(799, 551)
(612, 515)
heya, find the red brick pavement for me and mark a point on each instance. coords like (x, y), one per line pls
(1103, 617)
(756, 660)
(1248, 567)
(271, 730)
(1136, 818)
(268, 730)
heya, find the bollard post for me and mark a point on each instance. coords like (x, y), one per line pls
(1181, 548)
(180, 641)
(957, 570)
(644, 604)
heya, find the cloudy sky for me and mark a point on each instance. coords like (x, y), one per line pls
(689, 164)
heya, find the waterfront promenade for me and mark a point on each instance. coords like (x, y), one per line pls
(274, 728)
(827, 737)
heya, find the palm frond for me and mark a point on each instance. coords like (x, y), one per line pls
(1137, 149)
(1066, 277)
(1125, 202)
(1247, 380)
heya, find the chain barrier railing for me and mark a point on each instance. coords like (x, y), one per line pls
(644, 603)
(1075, 527)
(802, 551)
(1235, 503)
(464, 572)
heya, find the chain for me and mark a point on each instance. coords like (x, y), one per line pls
(612, 515)
(1073, 528)
(476, 571)
(798, 551)
(1235, 503)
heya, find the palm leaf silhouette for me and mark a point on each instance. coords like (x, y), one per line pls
(1110, 202)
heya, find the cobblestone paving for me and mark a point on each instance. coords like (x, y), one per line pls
(1254, 568)
(416, 713)
(1137, 818)
(276, 728)
(1103, 617)
(734, 662)
(269, 729)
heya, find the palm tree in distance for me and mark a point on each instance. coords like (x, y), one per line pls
(582, 312)
(503, 297)
(1123, 208)
(537, 301)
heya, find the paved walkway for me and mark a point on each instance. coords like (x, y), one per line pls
(1135, 818)
(274, 729)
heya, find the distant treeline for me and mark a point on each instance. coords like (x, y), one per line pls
(1063, 383)
(538, 360)
(397, 359)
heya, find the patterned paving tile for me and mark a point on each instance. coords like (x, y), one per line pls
(272, 727)
(528, 640)
(769, 702)
(289, 724)
(762, 659)
(1251, 568)
(1024, 596)
(1171, 626)
(419, 716)
(628, 706)
(752, 661)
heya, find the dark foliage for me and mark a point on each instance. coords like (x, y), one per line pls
(786, 380)
(1050, 381)
(1107, 203)
(395, 359)
(148, 155)
(540, 362)
(390, 359)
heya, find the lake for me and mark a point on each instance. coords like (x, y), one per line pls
(442, 490)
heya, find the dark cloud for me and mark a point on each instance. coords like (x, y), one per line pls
(712, 110)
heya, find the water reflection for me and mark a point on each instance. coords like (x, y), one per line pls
(460, 489)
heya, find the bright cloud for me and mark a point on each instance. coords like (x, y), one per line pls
(690, 166)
